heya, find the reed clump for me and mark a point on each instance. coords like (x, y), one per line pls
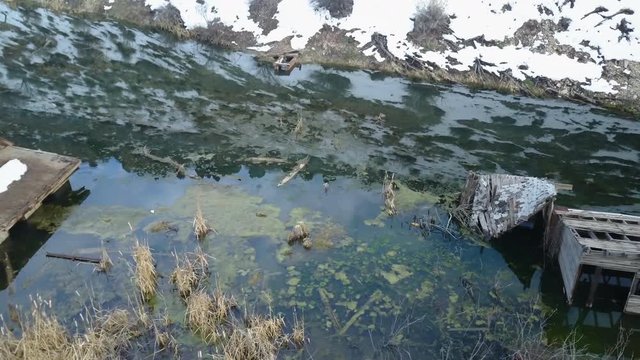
(200, 226)
(200, 316)
(184, 276)
(107, 336)
(145, 273)
(262, 338)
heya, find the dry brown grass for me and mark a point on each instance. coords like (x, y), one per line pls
(184, 276)
(200, 226)
(261, 339)
(201, 318)
(297, 335)
(107, 335)
(145, 273)
(105, 263)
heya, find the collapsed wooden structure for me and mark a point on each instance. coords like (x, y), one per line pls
(285, 63)
(604, 241)
(46, 173)
(497, 203)
(587, 244)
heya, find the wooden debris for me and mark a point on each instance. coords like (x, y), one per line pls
(377, 295)
(301, 165)
(496, 203)
(265, 160)
(179, 168)
(324, 296)
(84, 259)
(389, 194)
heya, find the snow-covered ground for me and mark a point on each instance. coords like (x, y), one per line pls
(10, 172)
(469, 19)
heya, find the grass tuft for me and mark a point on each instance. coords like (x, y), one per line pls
(145, 273)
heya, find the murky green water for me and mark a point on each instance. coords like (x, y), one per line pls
(102, 92)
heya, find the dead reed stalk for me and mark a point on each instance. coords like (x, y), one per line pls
(145, 273)
(297, 335)
(105, 263)
(200, 226)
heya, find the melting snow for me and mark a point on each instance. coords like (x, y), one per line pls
(298, 18)
(10, 172)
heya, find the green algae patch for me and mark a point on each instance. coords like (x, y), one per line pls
(406, 200)
(104, 222)
(230, 211)
(49, 217)
(398, 272)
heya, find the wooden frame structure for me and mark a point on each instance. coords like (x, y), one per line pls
(606, 241)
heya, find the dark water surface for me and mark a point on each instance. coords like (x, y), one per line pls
(103, 93)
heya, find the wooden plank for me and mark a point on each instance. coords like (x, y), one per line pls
(596, 214)
(46, 173)
(619, 246)
(569, 260)
(603, 226)
(611, 262)
(633, 305)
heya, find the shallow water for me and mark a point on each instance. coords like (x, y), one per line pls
(102, 92)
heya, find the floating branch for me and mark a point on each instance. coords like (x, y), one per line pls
(179, 168)
(301, 165)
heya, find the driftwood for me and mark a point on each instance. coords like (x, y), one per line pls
(179, 168)
(377, 295)
(324, 296)
(84, 259)
(265, 160)
(301, 165)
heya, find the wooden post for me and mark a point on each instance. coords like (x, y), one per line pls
(595, 280)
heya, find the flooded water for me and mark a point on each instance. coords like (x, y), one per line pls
(372, 286)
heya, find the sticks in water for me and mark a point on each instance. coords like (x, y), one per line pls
(301, 165)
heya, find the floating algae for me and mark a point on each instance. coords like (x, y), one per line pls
(398, 272)
(110, 222)
(231, 210)
(405, 200)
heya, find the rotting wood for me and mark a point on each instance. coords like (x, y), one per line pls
(324, 296)
(376, 296)
(265, 160)
(84, 259)
(299, 167)
(496, 203)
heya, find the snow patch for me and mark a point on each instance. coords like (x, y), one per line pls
(592, 34)
(10, 172)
